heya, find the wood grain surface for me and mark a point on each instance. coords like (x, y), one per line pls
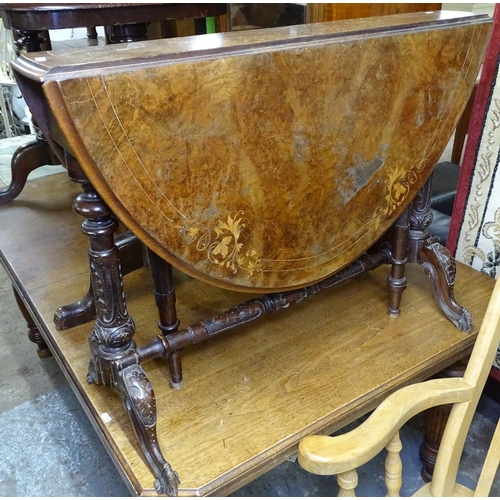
(249, 396)
(265, 160)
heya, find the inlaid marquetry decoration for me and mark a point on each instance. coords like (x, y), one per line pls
(268, 159)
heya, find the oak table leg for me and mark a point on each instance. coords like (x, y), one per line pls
(434, 423)
(33, 332)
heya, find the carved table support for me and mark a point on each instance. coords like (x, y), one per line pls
(440, 268)
(436, 260)
(83, 310)
(111, 337)
(33, 332)
(26, 158)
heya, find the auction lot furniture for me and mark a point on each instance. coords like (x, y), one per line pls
(259, 162)
(249, 396)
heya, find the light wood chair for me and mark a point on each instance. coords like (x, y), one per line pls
(342, 455)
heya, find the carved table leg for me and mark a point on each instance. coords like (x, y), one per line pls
(83, 310)
(27, 158)
(436, 260)
(397, 279)
(33, 332)
(434, 423)
(114, 362)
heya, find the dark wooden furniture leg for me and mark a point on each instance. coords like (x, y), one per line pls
(27, 158)
(434, 423)
(83, 310)
(33, 332)
(397, 280)
(35, 154)
(438, 263)
(440, 268)
(165, 301)
(114, 362)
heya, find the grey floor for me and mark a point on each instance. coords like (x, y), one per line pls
(48, 447)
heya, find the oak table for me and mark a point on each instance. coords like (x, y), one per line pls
(249, 397)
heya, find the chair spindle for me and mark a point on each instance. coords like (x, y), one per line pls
(394, 467)
(347, 482)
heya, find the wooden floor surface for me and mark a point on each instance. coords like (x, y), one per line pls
(249, 395)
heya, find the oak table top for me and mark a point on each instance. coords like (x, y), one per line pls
(249, 395)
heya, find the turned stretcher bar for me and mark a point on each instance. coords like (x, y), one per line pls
(268, 159)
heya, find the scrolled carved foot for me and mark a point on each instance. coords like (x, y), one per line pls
(139, 401)
(440, 267)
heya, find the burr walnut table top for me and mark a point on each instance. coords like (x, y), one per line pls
(251, 395)
(267, 159)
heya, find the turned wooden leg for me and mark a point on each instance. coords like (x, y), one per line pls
(26, 158)
(83, 310)
(114, 358)
(33, 332)
(131, 256)
(434, 423)
(126, 33)
(165, 301)
(438, 263)
(397, 279)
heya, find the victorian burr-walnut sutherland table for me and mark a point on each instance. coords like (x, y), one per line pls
(278, 161)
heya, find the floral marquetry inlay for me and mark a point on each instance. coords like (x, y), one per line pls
(399, 181)
(222, 244)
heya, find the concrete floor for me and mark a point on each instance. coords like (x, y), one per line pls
(49, 448)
